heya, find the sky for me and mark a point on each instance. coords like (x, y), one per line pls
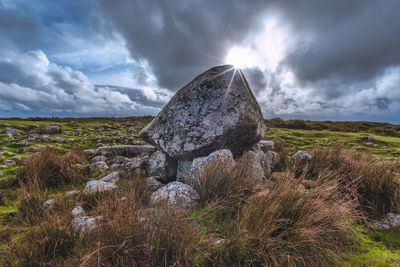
(304, 59)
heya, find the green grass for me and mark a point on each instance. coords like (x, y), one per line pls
(386, 146)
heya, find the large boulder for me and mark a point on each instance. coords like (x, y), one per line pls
(218, 159)
(216, 110)
(176, 196)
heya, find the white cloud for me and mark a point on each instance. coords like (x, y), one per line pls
(46, 87)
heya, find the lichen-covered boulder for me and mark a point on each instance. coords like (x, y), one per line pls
(216, 110)
(218, 159)
(96, 186)
(176, 196)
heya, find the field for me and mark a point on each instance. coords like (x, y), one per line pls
(372, 248)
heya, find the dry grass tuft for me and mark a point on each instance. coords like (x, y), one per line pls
(51, 168)
(377, 182)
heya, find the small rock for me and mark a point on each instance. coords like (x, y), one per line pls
(96, 186)
(369, 144)
(135, 163)
(111, 178)
(9, 162)
(257, 164)
(78, 212)
(377, 225)
(266, 146)
(71, 193)
(47, 204)
(12, 132)
(178, 197)
(152, 183)
(302, 156)
(98, 158)
(51, 129)
(1, 174)
(115, 166)
(120, 159)
(85, 224)
(392, 219)
(87, 151)
(100, 165)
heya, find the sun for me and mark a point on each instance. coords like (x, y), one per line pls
(240, 58)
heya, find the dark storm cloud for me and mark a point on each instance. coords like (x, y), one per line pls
(181, 38)
(255, 77)
(354, 40)
(346, 41)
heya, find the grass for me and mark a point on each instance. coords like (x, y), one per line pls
(279, 223)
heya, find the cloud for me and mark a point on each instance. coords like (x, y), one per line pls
(40, 85)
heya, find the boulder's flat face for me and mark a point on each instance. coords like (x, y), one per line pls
(216, 110)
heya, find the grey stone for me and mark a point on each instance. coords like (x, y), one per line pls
(96, 186)
(78, 212)
(48, 204)
(221, 158)
(120, 159)
(85, 224)
(100, 165)
(136, 163)
(377, 225)
(1, 174)
(111, 178)
(152, 183)
(12, 132)
(126, 150)
(302, 156)
(256, 164)
(162, 166)
(9, 162)
(266, 146)
(98, 158)
(72, 192)
(51, 129)
(178, 197)
(214, 111)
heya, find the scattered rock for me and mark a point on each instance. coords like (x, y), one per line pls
(216, 110)
(220, 158)
(135, 163)
(85, 224)
(390, 220)
(1, 174)
(9, 162)
(152, 183)
(52, 129)
(178, 197)
(301, 156)
(96, 186)
(111, 178)
(257, 164)
(115, 166)
(78, 212)
(100, 165)
(71, 193)
(120, 159)
(47, 204)
(88, 151)
(12, 132)
(98, 158)
(266, 146)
